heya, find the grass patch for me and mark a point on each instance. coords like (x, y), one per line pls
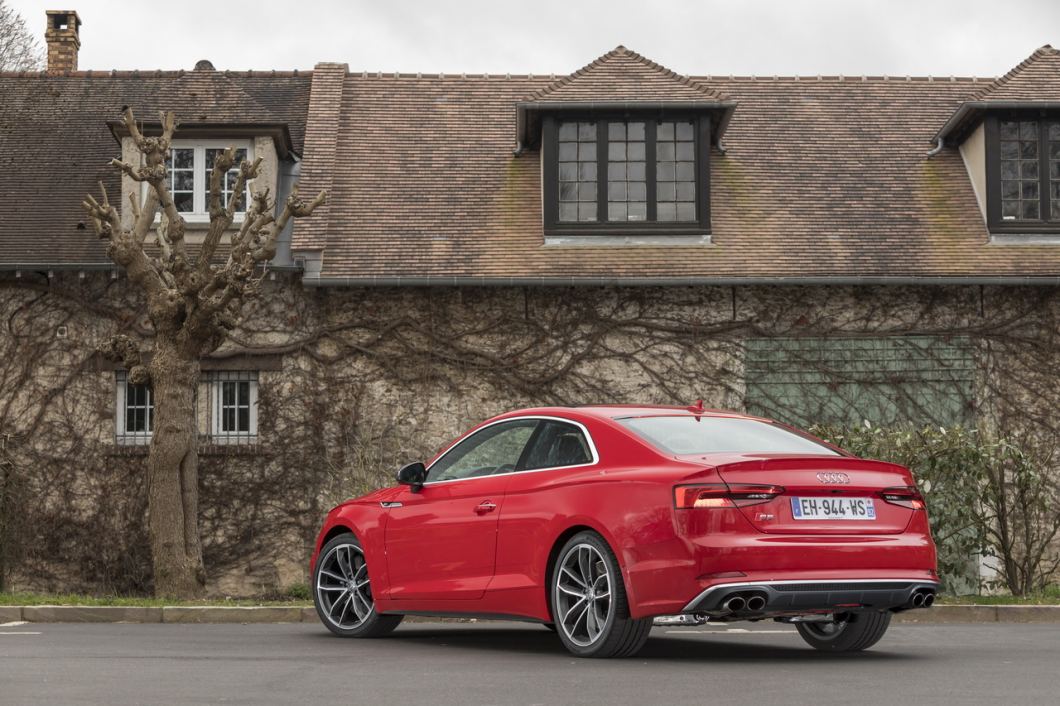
(1051, 596)
(7, 599)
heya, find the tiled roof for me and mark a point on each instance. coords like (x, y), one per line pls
(55, 143)
(622, 75)
(1037, 78)
(822, 178)
(1035, 81)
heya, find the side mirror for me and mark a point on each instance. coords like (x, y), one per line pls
(413, 474)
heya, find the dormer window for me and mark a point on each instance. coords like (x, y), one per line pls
(190, 164)
(1023, 173)
(629, 173)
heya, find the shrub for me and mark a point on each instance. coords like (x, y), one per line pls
(992, 497)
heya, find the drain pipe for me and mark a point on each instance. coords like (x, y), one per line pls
(937, 148)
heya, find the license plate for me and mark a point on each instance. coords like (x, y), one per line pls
(833, 509)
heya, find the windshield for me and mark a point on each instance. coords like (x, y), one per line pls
(710, 435)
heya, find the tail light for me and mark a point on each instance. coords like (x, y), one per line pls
(906, 496)
(722, 495)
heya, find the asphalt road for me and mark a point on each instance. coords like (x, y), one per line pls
(502, 663)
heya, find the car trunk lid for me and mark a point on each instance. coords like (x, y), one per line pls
(818, 494)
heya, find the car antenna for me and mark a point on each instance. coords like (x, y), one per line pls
(697, 409)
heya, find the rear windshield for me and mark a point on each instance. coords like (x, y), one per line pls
(709, 435)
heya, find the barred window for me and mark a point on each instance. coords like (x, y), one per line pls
(135, 411)
(226, 404)
(234, 406)
(628, 173)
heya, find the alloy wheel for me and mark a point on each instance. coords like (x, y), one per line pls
(583, 594)
(343, 588)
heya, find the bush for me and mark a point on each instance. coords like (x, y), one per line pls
(988, 497)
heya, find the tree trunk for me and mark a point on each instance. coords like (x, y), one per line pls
(173, 475)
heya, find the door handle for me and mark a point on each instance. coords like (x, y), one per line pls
(484, 507)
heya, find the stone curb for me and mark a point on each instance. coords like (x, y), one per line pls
(234, 614)
(296, 614)
(982, 614)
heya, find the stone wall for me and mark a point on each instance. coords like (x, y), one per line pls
(376, 377)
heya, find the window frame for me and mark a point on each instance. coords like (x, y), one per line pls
(216, 382)
(200, 212)
(550, 174)
(995, 223)
(529, 443)
(122, 434)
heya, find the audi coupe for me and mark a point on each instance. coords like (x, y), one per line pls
(597, 520)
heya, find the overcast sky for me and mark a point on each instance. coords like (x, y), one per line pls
(895, 37)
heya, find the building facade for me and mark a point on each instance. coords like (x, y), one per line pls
(820, 250)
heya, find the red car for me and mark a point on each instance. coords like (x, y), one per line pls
(596, 520)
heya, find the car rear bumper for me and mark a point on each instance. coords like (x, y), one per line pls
(794, 597)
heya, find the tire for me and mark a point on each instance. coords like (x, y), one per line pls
(580, 629)
(342, 591)
(853, 633)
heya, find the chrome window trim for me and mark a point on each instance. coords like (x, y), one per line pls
(722, 586)
(538, 417)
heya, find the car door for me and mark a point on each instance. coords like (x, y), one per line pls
(559, 449)
(441, 540)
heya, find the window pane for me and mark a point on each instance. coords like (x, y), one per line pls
(558, 445)
(182, 158)
(244, 419)
(1020, 169)
(676, 181)
(625, 172)
(577, 171)
(700, 435)
(493, 450)
(1054, 171)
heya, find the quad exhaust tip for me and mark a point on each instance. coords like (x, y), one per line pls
(756, 603)
(734, 604)
(922, 599)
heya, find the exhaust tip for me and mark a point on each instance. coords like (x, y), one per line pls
(918, 600)
(756, 603)
(734, 604)
(929, 600)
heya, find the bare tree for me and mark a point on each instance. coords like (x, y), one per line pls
(193, 303)
(19, 50)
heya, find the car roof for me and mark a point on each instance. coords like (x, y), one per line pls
(623, 411)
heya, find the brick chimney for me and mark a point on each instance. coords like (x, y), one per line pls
(63, 40)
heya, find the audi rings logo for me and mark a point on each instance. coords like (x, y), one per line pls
(833, 478)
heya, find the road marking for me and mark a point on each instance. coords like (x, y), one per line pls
(19, 633)
(13, 625)
(734, 631)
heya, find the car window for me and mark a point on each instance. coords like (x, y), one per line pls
(495, 449)
(706, 435)
(558, 444)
